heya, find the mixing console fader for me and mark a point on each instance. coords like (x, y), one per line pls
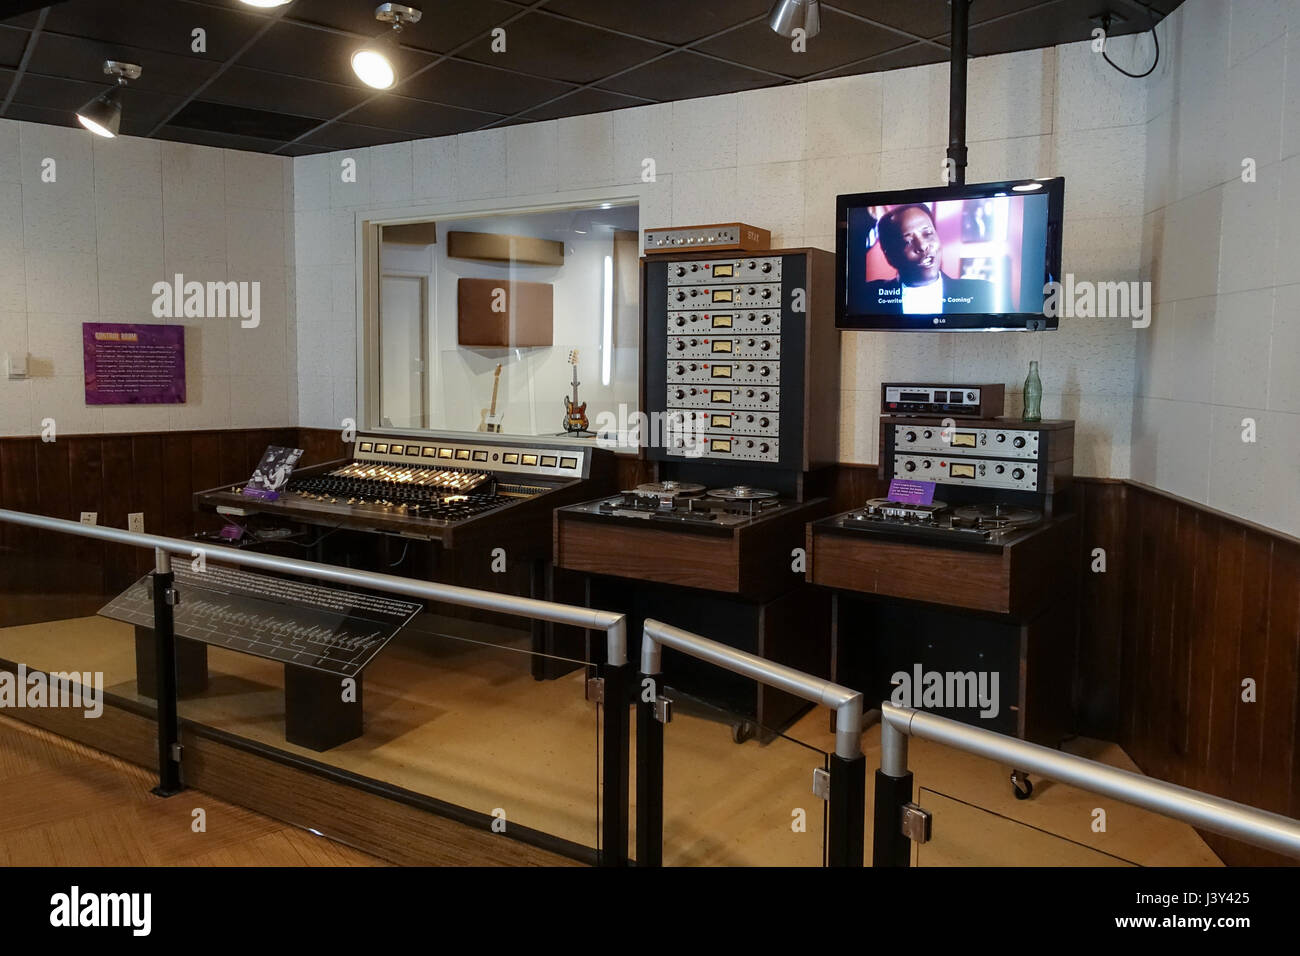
(741, 358)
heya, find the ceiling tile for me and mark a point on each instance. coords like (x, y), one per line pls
(683, 75)
(671, 21)
(12, 44)
(445, 24)
(416, 116)
(914, 54)
(203, 137)
(259, 124)
(302, 149)
(348, 136)
(841, 40)
(318, 55)
(278, 93)
(583, 101)
(469, 85)
(81, 59)
(163, 25)
(24, 19)
(564, 50)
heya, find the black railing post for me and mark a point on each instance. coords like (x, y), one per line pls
(164, 599)
(615, 749)
(649, 774)
(889, 846)
(847, 809)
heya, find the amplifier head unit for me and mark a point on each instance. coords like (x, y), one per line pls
(719, 236)
(956, 401)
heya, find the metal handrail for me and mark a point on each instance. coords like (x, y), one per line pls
(846, 702)
(1236, 820)
(614, 625)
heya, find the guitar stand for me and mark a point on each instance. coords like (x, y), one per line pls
(580, 433)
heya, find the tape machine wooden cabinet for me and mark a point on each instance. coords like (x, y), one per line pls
(740, 390)
(979, 580)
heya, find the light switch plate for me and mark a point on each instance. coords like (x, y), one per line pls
(135, 522)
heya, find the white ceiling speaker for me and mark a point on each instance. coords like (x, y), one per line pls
(790, 15)
(375, 64)
(103, 115)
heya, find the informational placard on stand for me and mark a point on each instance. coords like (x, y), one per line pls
(134, 364)
(325, 629)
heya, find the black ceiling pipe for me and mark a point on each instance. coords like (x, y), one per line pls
(957, 91)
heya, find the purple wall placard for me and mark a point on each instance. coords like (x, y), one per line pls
(911, 492)
(134, 364)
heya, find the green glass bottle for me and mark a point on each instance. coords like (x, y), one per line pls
(1033, 395)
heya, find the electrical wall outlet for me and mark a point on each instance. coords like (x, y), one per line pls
(90, 517)
(15, 365)
(135, 522)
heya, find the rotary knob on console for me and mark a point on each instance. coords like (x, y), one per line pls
(679, 345)
(764, 448)
(681, 370)
(910, 465)
(680, 320)
(766, 293)
(767, 320)
(1019, 441)
(764, 397)
(910, 436)
(762, 422)
(1018, 474)
(764, 371)
(681, 270)
(750, 343)
(680, 395)
(681, 296)
(694, 342)
(749, 368)
(767, 267)
(766, 345)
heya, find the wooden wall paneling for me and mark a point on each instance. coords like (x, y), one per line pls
(1184, 579)
(1280, 774)
(176, 520)
(53, 497)
(1201, 647)
(18, 466)
(205, 472)
(147, 468)
(1158, 693)
(1225, 686)
(86, 482)
(1101, 609)
(1252, 662)
(119, 477)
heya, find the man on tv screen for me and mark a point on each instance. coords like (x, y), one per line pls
(911, 245)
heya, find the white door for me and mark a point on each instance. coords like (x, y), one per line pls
(403, 328)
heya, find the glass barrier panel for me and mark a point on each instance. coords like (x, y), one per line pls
(963, 834)
(444, 708)
(737, 793)
(51, 589)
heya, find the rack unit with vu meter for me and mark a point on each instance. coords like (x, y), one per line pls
(740, 374)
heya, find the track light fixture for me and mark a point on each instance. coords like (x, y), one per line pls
(266, 3)
(790, 15)
(103, 115)
(375, 63)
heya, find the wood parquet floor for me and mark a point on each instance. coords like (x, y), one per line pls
(63, 804)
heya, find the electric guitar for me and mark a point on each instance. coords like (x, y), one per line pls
(489, 420)
(575, 415)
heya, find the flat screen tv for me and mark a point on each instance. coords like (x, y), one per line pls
(949, 258)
